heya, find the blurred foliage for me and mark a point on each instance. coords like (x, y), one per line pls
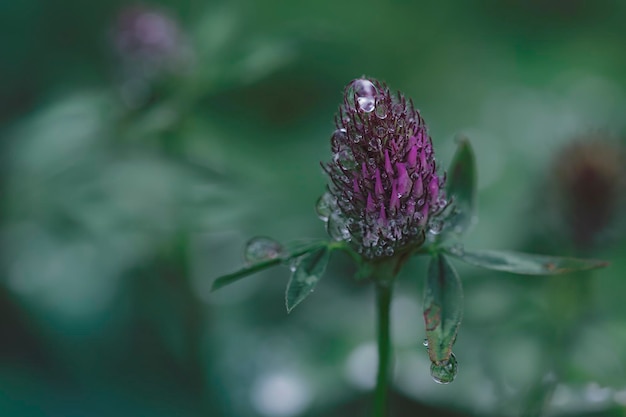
(127, 187)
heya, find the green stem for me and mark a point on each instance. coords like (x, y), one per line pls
(383, 295)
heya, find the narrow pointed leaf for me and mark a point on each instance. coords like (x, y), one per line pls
(308, 272)
(525, 263)
(461, 189)
(443, 308)
(291, 251)
(243, 272)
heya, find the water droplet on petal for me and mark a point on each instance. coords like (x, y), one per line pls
(339, 138)
(381, 110)
(444, 372)
(389, 251)
(435, 226)
(366, 104)
(365, 92)
(375, 144)
(262, 249)
(337, 227)
(325, 206)
(345, 159)
(363, 88)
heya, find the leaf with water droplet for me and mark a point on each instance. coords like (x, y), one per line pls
(261, 248)
(444, 372)
(309, 270)
(287, 253)
(525, 263)
(443, 308)
(461, 189)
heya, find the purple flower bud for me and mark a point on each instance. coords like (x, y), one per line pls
(392, 187)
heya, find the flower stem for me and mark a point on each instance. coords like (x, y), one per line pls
(383, 296)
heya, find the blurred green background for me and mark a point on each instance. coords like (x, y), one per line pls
(142, 144)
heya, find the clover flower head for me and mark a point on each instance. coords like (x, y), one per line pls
(384, 189)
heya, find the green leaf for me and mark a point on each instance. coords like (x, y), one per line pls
(524, 263)
(461, 189)
(309, 270)
(291, 251)
(243, 272)
(443, 308)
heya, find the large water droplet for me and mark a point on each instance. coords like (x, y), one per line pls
(262, 249)
(444, 372)
(363, 88)
(365, 93)
(337, 227)
(367, 104)
(325, 206)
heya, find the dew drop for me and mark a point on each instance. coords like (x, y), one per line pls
(337, 227)
(262, 249)
(366, 104)
(345, 159)
(325, 206)
(389, 251)
(444, 372)
(435, 226)
(381, 110)
(425, 342)
(457, 249)
(365, 93)
(375, 144)
(378, 251)
(339, 138)
(398, 109)
(363, 88)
